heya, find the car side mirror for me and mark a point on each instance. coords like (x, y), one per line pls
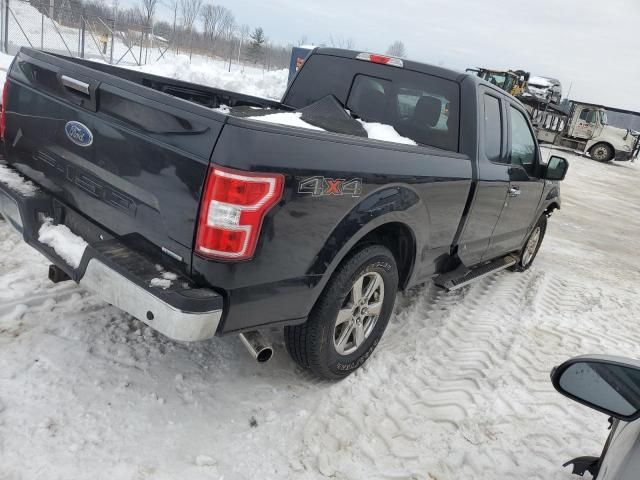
(607, 384)
(556, 168)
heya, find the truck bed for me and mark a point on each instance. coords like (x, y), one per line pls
(152, 140)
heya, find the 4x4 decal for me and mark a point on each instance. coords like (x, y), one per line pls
(320, 186)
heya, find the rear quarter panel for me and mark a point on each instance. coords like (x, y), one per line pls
(306, 236)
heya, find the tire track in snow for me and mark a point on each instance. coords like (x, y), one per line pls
(457, 327)
(461, 365)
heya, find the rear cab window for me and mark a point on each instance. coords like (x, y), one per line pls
(422, 107)
(492, 128)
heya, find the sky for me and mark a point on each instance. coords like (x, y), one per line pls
(592, 46)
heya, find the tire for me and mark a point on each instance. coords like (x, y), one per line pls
(333, 344)
(602, 152)
(532, 245)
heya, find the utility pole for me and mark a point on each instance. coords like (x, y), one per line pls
(113, 34)
(83, 28)
(42, 30)
(6, 26)
(3, 47)
(141, 42)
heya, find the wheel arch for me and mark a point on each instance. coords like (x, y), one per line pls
(551, 207)
(400, 239)
(388, 217)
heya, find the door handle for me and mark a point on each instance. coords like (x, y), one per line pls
(514, 191)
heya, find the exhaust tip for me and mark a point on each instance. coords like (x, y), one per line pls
(258, 347)
(264, 355)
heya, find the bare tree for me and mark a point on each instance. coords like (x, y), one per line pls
(230, 37)
(147, 11)
(148, 8)
(342, 42)
(217, 20)
(189, 10)
(243, 34)
(173, 7)
(397, 49)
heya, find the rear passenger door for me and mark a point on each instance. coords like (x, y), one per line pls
(525, 185)
(493, 178)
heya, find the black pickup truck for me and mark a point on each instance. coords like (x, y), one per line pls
(202, 216)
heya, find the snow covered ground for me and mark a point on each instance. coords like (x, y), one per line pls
(458, 388)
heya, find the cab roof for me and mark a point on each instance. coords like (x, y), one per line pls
(419, 67)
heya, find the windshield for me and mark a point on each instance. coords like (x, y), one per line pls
(508, 83)
(497, 79)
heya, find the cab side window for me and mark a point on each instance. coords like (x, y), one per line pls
(523, 145)
(588, 116)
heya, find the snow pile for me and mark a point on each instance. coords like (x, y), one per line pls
(162, 283)
(223, 109)
(166, 280)
(16, 183)
(291, 119)
(69, 246)
(380, 131)
(214, 73)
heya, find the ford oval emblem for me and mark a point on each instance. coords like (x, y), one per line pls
(79, 133)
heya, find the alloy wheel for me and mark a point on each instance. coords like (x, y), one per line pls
(359, 313)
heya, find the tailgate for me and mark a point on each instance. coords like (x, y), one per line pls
(129, 158)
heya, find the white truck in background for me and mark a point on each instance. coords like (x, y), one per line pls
(585, 128)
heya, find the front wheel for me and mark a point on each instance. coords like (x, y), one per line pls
(531, 247)
(350, 316)
(601, 152)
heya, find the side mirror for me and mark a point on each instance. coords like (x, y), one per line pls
(607, 384)
(556, 168)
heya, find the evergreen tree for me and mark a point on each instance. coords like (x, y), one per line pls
(256, 46)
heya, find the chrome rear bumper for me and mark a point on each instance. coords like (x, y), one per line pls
(184, 313)
(121, 292)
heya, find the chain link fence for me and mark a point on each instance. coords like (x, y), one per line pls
(65, 27)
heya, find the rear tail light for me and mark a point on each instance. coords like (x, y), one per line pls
(382, 59)
(233, 208)
(3, 115)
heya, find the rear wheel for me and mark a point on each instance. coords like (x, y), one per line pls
(531, 247)
(601, 152)
(350, 316)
